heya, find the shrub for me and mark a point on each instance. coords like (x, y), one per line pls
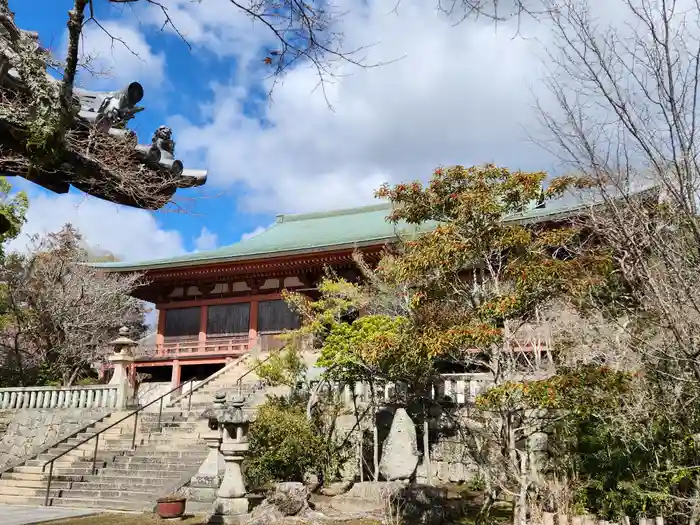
(284, 444)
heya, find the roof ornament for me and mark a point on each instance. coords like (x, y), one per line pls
(97, 152)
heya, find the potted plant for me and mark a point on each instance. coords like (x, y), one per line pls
(172, 506)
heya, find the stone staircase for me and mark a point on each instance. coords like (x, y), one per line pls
(124, 478)
(226, 379)
(167, 454)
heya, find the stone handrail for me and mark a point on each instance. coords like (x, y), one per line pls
(206, 381)
(48, 397)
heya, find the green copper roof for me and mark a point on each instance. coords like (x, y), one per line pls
(309, 232)
(293, 234)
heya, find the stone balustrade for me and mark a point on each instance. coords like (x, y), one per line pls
(459, 388)
(47, 397)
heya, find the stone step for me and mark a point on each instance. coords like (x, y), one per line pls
(122, 484)
(120, 504)
(103, 437)
(167, 467)
(186, 437)
(177, 440)
(27, 491)
(159, 460)
(56, 471)
(22, 500)
(131, 495)
(23, 476)
(114, 431)
(147, 452)
(169, 424)
(165, 416)
(171, 464)
(15, 476)
(71, 450)
(58, 464)
(33, 483)
(110, 474)
(101, 455)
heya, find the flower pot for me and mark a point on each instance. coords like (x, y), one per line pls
(171, 507)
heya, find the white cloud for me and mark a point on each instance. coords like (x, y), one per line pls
(127, 58)
(216, 26)
(206, 240)
(128, 233)
(256, 231)
(461, 95)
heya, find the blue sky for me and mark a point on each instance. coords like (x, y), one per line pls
(450, 95)
(214, 210)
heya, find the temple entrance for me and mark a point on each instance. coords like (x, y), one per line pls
(199, 372)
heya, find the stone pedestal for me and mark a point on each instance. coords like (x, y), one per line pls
(204, 485)
(231, 506)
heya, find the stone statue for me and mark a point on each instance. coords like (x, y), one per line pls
(162, 139)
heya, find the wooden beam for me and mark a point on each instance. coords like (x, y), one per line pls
(220, 300)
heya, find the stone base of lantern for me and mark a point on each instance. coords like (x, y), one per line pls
(233, 511)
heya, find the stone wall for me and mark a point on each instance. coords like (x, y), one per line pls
(25, 432)
(149, 391)
(449, 458)
(449, 462)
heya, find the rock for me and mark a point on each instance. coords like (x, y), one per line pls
(290, 498)
(312, 482)
(337, 488)
(265, 514)
(426, 505)
(367, 496)
(400, 450)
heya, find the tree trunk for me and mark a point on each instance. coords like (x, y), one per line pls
(485, 511)
(426, 451)
(69, 378)
(375, 434)
(520, 511)
(76, 18)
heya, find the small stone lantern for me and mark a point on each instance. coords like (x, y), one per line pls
(122, 344)
(121, 360)
(231, 503)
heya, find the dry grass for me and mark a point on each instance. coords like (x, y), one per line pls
(151, 519)
(125, 519)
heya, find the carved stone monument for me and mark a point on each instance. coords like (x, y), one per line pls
(231, 504)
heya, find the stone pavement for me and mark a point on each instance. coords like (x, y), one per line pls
(17, 515)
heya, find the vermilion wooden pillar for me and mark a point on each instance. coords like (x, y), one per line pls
(160, 331)
(203, 315)
(253, 323)
(175, 378)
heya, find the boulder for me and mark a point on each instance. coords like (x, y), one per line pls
(400, 449)
(289, 498)
(336, 488)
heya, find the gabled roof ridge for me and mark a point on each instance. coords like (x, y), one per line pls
(294, 217)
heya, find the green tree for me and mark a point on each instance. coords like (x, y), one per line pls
(13, 212)
(464, 292)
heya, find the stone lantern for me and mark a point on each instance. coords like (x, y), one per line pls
(121, 360)
(231, 504)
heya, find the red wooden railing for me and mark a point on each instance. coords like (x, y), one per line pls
(212, 345)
